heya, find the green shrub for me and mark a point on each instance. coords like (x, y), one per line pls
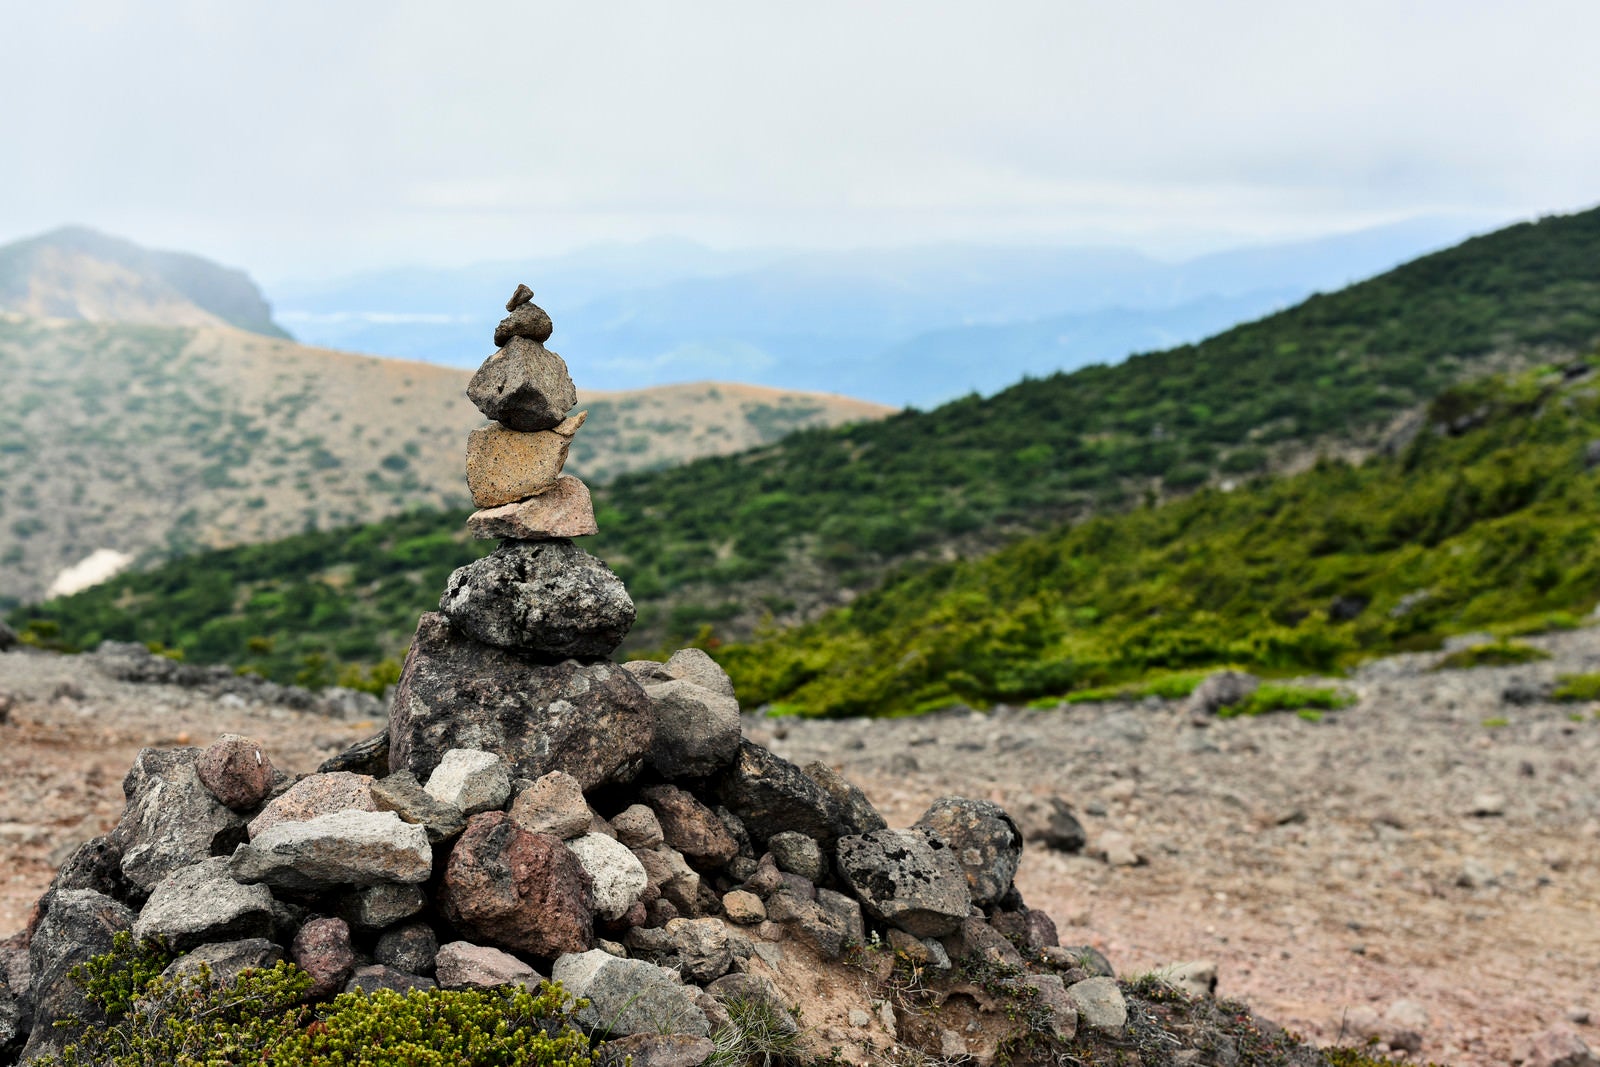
(1271, 697)
(263, 1017)
(1493, 654)
(1572, 688)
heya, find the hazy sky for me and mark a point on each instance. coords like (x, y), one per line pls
(311, 138)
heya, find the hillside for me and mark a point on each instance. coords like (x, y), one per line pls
(158, 440)
(784, 532)
(77, 273)
(1484, 522)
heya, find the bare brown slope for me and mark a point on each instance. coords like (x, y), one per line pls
(149, 439)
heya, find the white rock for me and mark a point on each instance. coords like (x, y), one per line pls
(617, 874)
(472, 780)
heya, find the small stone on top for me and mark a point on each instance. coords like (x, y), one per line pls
(518, 298)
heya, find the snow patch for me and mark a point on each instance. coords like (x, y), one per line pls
(98, 566)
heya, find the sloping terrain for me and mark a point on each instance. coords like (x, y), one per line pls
(157, 440)
(77, 273)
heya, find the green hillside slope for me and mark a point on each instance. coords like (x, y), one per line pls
(785, 531)
(1486, 520)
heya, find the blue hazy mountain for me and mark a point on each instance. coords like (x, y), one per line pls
(899, 326)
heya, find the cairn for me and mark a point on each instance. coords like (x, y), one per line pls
(535, 809)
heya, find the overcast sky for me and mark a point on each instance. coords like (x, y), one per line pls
(306, 139)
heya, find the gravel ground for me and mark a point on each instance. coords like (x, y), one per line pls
(1430, 855)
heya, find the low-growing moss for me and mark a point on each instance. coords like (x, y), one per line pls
(1571, 688)
(1491, 654)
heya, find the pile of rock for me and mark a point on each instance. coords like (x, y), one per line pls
(536, 809)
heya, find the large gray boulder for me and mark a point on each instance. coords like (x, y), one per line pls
(986, 840)
(590, 720)
(629, 996)
(79, 925)
(344, 848)
(549, 597)
(171, 819)
(697, 729)
(201, 904)
(908, 878)
(524, 386)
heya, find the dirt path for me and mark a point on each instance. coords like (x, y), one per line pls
(1330, 869)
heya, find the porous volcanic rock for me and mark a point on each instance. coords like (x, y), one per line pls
(909, 878)
(548, 597)
(526, 320)
(522, 891)
(524, 386)
(323, 950)
(236, 770)
(771, 795)
(564, 510)
(553, 805)
(313, 795)
(504, 466)
(986, 842)
(171, 819)
(615, 873)
(519, 296)
(690, 827)
(590, 720)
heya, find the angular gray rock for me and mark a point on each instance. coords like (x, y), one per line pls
(655, 1050)
(702, 948)
(463, 965)
(908, 878)
(345, 848)
(171, 819)
(553, 805)
(697, 730)
(695, 665)
(1100, 1004)
(313, 795)
(472, 780)
(548, 597)
(590, 720)
(628, 996)
(617, 876)
(369, 757)
(845, 912)
(986, 842)
(1050, 821)
(402, 794)
(524, 387)
(202, 903)
(226, 960)
(79, 925)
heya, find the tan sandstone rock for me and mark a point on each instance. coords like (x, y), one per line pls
(504, 466)
(564, 510)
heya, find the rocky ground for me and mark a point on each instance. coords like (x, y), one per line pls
(1421, 862)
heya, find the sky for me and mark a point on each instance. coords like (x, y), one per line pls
(310, 139)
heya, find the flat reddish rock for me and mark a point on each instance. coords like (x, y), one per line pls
(565, 510)
(316, 794)
(236, 771)
(521, 891)
(504, 466)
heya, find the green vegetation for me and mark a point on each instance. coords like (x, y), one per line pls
(1575, 688)
(758, 1034)
(1309, 701)
(705, 544)
(262, 1016)
(1494, 654)
(1455, 533)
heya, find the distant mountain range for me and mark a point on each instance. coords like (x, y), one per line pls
(913, 326)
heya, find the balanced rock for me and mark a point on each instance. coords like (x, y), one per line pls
(236, 770)
(171, 819)
(564, 510)
(590, 720)
(313, 795)
(463, 965)
(525, 892)
(471, 780)
(909, 878)
(344, 848)
(629, 996)
(525, 321)
(524, 386)
(519, 296)
(200, 904)
(547, 597)
(504, 465)
(986, 842)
